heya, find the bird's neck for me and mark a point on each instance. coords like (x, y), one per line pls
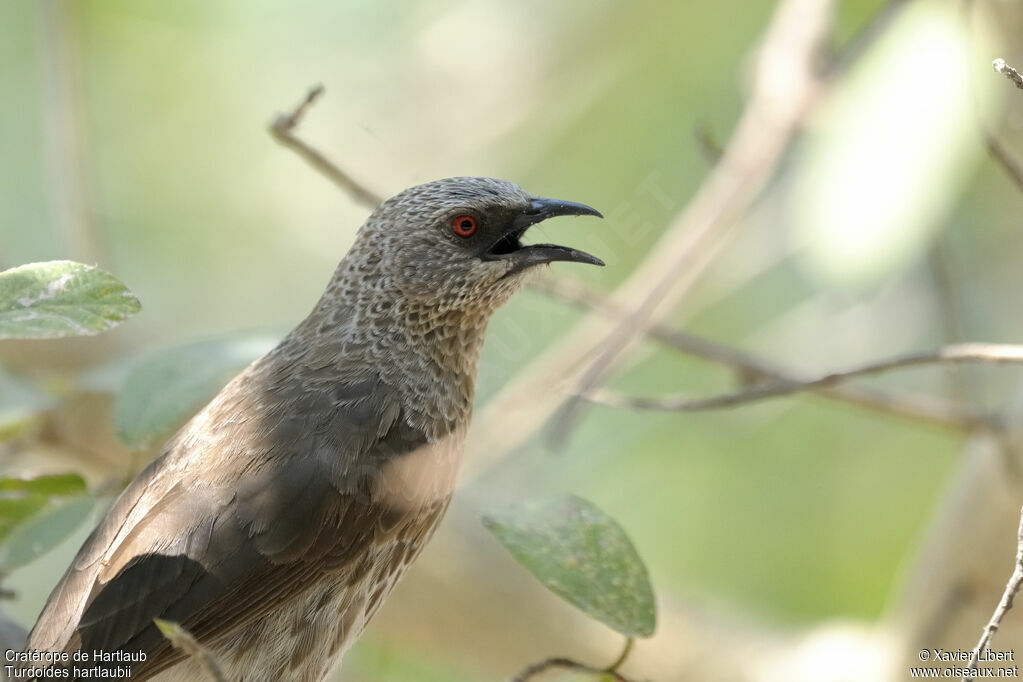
(427, 352)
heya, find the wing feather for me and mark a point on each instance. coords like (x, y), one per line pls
(241, 514)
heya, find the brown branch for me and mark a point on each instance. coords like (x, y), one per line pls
(785, 87)
(565, 664)
(569, 664)
(947, 307)
(798, 26)
(783, 90)
(998, 150)
(1012, 74)
(964, 352)
(283, 130)
(750, 366)
(1004, 156)
(1011, 588)
(708, 146)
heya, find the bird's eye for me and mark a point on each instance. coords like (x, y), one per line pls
(464, 226)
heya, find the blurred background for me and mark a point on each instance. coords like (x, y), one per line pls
(779, 535)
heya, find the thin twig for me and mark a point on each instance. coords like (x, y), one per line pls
(1012, 74)
(565, 664)
(569, 664)
(1011, 588)
(998, 150)
(963, 352)
(1004, 156)
(283, 130)
(182, 639)
(768, 114)
(909, 406)
(785, 87)
(708, 146)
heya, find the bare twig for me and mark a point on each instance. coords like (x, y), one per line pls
(283, 130)
(565, 664)
(1011, 588)
(998, 150)
(1012, 74)
(782, 92)
(784, 89)
(568, 664)
(183, 640)
(964, 352)
(750, 366)
(708, 146)
(1005, 157)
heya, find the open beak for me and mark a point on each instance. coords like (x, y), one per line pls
(510, 247)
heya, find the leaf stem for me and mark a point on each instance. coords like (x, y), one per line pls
(629, 641)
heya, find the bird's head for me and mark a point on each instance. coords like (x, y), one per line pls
(456, 243)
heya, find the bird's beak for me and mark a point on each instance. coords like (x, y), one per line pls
(509, 246)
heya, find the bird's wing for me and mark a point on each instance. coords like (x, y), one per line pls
(191, 542)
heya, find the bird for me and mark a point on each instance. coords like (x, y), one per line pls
(278, 519)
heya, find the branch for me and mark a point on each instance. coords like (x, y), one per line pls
(283, 130)
(1000, 151)
(1012, 74)
(1011, 588)
(565, 664)
(569, 664)
(708, 146)
(785, 87)
(753, 367)
(964, 352)
(1004, 156)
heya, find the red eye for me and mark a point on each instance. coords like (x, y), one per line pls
(464, 225)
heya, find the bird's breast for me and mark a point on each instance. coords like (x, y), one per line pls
(422, 477)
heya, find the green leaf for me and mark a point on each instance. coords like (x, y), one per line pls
(37, 513)
(61, 298)
(582, 555)
(47, 486)
(162, 392)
